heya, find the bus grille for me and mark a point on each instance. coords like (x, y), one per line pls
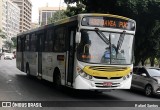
(102, 86)
(107, 68)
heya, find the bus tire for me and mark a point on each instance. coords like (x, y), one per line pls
(27, 70)
(57, 79)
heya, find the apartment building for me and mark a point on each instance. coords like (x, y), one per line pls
(47, 12)
(9, 20)
(25, 14)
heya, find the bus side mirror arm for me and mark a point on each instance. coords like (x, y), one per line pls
(78, 37)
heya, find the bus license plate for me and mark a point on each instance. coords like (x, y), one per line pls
(107, 84)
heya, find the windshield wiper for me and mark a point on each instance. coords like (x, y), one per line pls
(102, 36)
(120, 41)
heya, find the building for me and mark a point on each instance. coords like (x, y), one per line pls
(25, 14)
(47, 12)
(9, 20)
(12, 20)
(34, 25)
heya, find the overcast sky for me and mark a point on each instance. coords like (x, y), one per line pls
(42, 3)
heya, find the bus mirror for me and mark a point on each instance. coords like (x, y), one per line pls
(78, 37)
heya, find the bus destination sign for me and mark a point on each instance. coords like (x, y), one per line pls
(108, 22)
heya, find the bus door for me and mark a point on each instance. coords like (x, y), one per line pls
(39, 49)
(70, 54)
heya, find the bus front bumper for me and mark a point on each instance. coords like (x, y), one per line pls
(85, 84)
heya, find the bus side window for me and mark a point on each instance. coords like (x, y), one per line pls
(18, 44)
(59, 41)
(33, 42)
(48, 42)
(27, 43)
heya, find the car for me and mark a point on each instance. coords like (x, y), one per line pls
(146, 79)
(8, 56)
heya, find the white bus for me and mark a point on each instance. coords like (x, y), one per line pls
(87, 51)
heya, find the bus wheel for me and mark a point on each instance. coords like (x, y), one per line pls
(57, 80)
(27, 70)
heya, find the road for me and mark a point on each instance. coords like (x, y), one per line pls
(16, 86)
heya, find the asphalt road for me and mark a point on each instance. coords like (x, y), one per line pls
(16, 86)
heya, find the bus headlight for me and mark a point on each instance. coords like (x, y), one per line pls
(128, 76)
(83, 74)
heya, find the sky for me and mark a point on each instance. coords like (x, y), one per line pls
(42, 3)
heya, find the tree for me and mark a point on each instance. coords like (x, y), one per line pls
(74, 10)
(93, 6)
(8, 44)
(57, 16)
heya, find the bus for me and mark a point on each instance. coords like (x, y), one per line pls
(85, 52)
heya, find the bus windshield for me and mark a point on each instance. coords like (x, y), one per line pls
(94, 49)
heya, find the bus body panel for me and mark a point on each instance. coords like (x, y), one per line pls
(32, 59)
(49, 64)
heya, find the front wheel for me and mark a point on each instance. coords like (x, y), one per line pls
(148, 90)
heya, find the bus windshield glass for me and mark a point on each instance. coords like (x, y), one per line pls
(94, 49)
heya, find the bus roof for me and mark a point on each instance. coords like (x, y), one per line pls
(73, 18)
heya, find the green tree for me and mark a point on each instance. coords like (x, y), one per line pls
(57, 16)
(8, 45)
(74, 10)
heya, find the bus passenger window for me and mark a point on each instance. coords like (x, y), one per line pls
(48, 41)
(33, 42)
(27, 43)
(59, 44)
(19, 44)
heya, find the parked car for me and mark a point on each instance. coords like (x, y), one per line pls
(8, 56)
(146, 79)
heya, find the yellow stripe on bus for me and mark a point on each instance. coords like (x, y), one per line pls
(107, 71)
